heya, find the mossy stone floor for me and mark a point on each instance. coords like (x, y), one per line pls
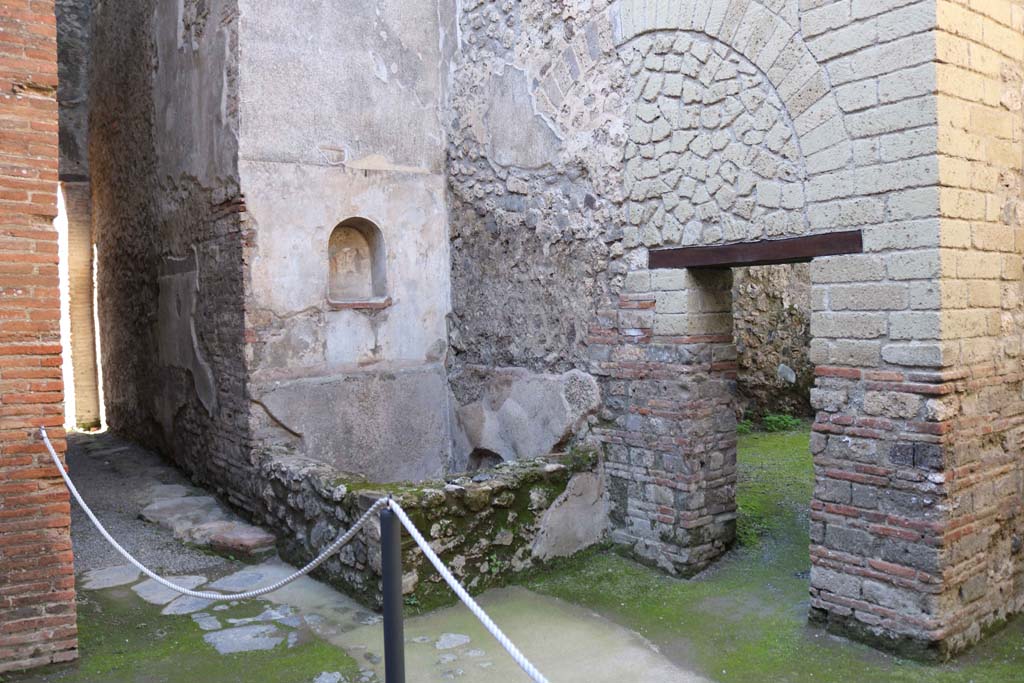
(126, 640)
(745, 619)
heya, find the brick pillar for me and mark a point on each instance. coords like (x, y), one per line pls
(37, 598)
(667, 357)
(917, 523)
(78, 201)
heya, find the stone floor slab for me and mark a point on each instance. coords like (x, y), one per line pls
(186, 604)
(158, 594)
(111, 577)
(245, 639)
(206, 621)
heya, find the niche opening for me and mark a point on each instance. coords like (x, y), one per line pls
(358, 262)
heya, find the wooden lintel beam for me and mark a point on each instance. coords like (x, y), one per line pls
(762, 253)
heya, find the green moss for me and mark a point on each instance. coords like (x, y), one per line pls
(746, 618)
(124, 640)
(776, 482)
(580, 458)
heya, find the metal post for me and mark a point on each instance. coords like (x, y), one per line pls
(391, 564)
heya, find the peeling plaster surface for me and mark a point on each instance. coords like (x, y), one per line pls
(516, 133)
(177, 342)
(358, 134)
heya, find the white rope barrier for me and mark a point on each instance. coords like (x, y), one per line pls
(477, 611)
(445, 573)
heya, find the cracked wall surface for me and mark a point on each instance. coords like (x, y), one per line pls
(363, 382)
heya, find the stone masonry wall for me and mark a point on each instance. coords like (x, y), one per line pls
(484, 528)
(981, 143)
(772, 319)
(589, 133)
(916, 524)
(37, 589)
(666, 354)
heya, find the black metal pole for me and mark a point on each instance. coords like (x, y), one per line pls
(391, 565)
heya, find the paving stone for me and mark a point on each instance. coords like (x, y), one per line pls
(158, 594)
(243, 540)
(245, 639)
(447, 641)
(329, 677)
(186, 604)
(182, 514)
(207, 622)
(111, 577)
(166, 491)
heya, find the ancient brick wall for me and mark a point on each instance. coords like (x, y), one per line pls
(168, 224)
(665, 352)
(934, 499)
(37, 598)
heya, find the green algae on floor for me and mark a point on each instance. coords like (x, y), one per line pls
(124, 640)
(745, 619)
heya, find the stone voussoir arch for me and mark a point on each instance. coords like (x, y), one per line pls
(765, 39)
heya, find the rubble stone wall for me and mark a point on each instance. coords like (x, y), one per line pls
(485, 528)
(772, 330)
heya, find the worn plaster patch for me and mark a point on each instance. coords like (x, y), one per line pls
(176, 326)
(518, 136)
(577, 519)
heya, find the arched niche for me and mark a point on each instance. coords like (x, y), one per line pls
(357, 264)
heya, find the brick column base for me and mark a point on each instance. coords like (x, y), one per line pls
(667, 359)
(917, 526)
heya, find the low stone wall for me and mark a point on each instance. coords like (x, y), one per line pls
(485, 527)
